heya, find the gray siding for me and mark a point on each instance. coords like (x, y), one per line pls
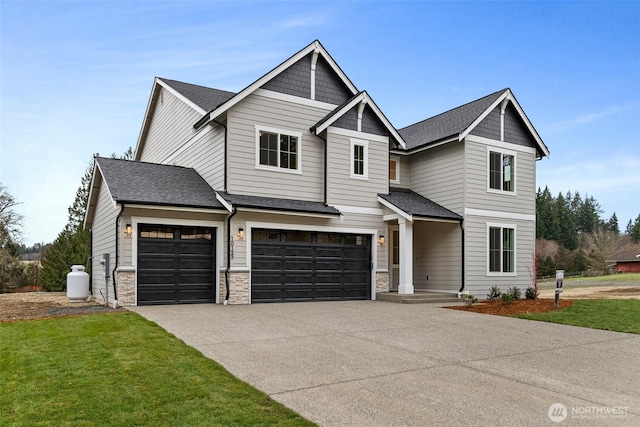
(344, 190)
(348, 121)
(103, 241)
(477, 280)
(438, 174)
(171, 126)
(245, 178)
(490, 126)
(515, 130)
(329, 87)
(371, 123)
(477, 196)
(404, 172)
(295, 80)
(437, 251)
(206, 156)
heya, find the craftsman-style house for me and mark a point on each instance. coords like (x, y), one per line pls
(298, 188)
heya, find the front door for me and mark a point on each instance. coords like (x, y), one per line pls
(394, 262)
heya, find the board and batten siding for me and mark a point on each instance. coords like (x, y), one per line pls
(247, 179)
(437, 251)
(477, 281)
(103, 241)
(344, 190)
(477, 172)
(206, 156)
(438, 174)
(171, 126)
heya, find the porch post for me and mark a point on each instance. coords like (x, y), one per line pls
(405, 230)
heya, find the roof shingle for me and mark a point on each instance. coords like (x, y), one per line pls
(413, 203)
(204, 97)
(277, 204)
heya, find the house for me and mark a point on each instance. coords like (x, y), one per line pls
(298, 188)
(627, 259)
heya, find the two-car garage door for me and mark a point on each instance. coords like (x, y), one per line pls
(309, 266)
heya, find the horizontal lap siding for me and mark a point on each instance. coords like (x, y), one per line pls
(477, 280)
(171, 126)
(437, 253)
(438, 175)
(103, 238)
(344, 190)
(477, 196)
(403, 171)
(206, 156)
(245, 178)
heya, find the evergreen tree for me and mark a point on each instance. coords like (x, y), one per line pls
(612, 225)
(635, 231)
(627, 230)
(566, 230)
(546, 222)
(79, 206)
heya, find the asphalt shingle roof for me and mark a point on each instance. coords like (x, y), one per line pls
(413, 203)
(276, 204)
(155, 184)
(447, 124)
(204, 97)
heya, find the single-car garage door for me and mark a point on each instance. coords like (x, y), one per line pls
(175, 264)
(308, 266)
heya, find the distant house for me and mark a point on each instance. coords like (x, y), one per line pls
(628, 261)
(298, 188)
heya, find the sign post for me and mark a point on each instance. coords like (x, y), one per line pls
(559, 280)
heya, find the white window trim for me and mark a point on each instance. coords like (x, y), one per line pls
(514, 273)
(364, 144)
(397, 160)
(515, 166)
(278, 131)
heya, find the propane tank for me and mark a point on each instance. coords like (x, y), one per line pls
(78, 284)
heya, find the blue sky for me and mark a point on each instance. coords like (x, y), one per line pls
(75, 78)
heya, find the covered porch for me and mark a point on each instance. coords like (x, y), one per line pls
(425, 245)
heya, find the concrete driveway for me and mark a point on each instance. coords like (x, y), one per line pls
(370, 363)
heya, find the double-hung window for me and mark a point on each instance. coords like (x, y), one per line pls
(278, 149)
(502, 171)
(501, 249)
(359, 159)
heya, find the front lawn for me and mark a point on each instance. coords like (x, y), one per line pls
(120, 369)
(611, 315)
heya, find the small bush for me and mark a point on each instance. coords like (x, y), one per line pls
(469, 299)
(507, 298)
(516, 292)
(494, 293)
(531, 293)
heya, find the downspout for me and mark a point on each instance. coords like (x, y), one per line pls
(462, 286)
(229, 243)
(226, 155)
(115, 267)
(326, 177)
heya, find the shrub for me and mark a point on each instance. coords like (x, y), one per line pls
(516, 292)
(507, 298)
(494, 293)
(469, 299)
(531, 293)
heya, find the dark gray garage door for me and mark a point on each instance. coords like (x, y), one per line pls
(309, 266)
(175, 264)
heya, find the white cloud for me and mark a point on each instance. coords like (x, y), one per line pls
(590, 117)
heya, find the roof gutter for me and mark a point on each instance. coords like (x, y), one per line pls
(229, 248)
(326, 176)
(462, 263)
(115, 264)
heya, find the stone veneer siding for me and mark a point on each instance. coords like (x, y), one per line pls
(126, 284)
(382, 282)
(238, 287)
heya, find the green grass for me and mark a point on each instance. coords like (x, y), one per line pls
(120, 370)
(610, 278)
(612, 315)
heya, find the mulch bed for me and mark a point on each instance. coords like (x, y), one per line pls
(523, 306)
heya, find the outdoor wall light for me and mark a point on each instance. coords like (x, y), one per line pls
(241, 233)
(128, 231)
(381, 240)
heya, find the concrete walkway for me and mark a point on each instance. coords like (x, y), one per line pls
(369, 363)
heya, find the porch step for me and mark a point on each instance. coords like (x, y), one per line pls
(418, 298)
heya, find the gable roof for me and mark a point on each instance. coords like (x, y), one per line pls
(410, 204)
(456, 123)
(360, 97)
(277, 204)
(150, 184)
(204, 97)
(315, 46)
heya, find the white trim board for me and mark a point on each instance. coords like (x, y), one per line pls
(498, 214)
(504, 146)
(294, 99)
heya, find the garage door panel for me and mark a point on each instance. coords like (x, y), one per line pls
(309, 266)
(173, 269)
